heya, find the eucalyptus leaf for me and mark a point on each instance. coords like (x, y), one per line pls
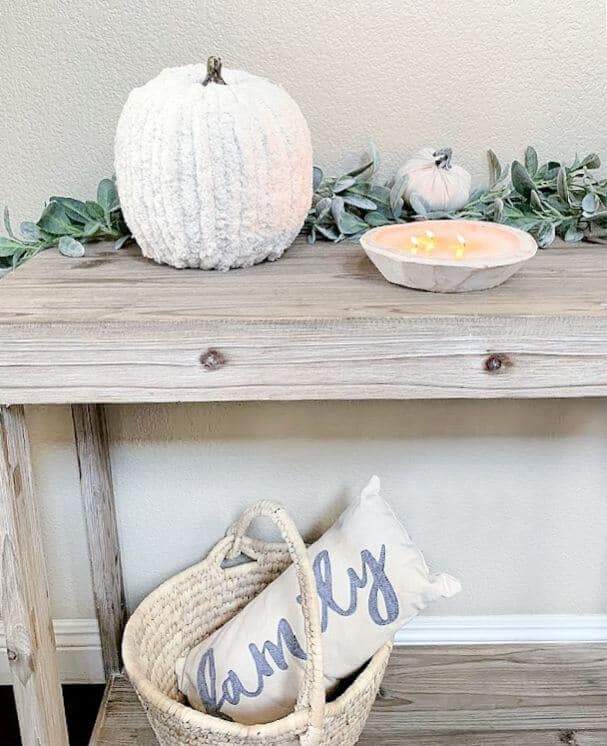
(589, 203)
(511, 212)
(361, 170)
(531, 160)
(375, 159)
(363, 188)
(343, 183)
(68, 246)
(18, 256)
(338, 210)
(476, 194)
(8, 246)
(495, 167)
(121, 241)
(7, 222)
(554, 201)
(545, 235)
(530, 224)
(398, 188)
(74, 208)
(535, 200)
(418, 204)
(397, 207)
(107, 195)
(380, 194)
(562, 188)
(95, 210)
(54, 220)
(573, 234)
(591, 161)
(521, 180)
(376, 218)
(91, 229)
(376, 192)
(328, 232)
(498, 209)
(550, 169)
(30, 231)
(350, 224)
(317, 177)
(356, 200)
(323, 206)
(396, 196)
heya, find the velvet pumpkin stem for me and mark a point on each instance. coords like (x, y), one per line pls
(214, 72)
(442, 157)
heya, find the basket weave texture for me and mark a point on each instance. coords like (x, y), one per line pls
(190, 606)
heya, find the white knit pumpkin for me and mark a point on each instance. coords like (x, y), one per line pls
(214, 167)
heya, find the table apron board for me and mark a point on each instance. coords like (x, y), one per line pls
(412, 358)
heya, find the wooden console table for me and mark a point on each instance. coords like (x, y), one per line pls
(319, 324)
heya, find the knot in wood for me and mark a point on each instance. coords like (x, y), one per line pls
(568, 737)
(212, 359)
(496, 362)
(12, 655)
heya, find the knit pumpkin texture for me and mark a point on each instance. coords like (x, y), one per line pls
(214, 169)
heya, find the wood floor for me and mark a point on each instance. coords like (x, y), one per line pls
(505, 695)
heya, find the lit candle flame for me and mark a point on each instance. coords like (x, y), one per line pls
(461, 249)
(427, 243)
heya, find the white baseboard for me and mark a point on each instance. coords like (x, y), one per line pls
(504, 628)
(79, 650)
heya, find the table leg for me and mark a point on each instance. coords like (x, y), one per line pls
(25, 607)
(99, 512)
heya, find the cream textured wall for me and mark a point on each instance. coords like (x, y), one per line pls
(509, 495)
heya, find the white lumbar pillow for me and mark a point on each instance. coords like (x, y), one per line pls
(371, 579)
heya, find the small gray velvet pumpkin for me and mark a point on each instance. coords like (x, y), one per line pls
(214, 167)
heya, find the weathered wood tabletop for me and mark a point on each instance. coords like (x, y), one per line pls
(321, 323)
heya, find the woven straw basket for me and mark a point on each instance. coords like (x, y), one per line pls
(192, 605)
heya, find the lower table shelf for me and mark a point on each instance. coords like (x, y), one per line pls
(485, 695)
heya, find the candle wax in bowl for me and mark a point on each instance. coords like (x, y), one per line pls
(459, 241)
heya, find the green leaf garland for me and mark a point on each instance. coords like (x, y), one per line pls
(548, 200)
(68, 224)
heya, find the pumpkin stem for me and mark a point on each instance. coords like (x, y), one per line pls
(442, 158)
(214, 72)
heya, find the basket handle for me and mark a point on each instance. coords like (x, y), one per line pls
(311, 694)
